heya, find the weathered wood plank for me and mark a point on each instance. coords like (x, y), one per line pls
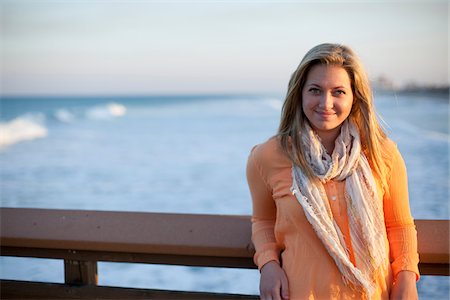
(434, 269)
(156, 233)
(433, 240)
(77, 272)
(164, 259)
(36, 290)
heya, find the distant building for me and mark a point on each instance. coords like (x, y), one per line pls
(382, 83)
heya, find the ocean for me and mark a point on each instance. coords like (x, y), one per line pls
(181, 154)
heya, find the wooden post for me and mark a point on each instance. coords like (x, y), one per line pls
(78, 272)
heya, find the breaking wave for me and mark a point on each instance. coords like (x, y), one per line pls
(32, 126)
(276, 104)
(64, 115)
(23, 128)
(105, 112)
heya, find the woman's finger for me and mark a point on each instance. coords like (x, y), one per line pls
(276, 295)
(266, 296)
(284, 287)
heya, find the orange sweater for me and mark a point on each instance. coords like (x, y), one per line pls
(281, 232)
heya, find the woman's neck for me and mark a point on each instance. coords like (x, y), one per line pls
(328, 138)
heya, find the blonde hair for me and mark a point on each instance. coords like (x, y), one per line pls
(362, 112)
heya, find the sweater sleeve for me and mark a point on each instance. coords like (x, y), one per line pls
(264, 212)
(401, 231)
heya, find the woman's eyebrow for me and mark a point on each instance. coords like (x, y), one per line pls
(336, 87)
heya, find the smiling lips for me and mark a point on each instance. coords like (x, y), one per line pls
(325, 114)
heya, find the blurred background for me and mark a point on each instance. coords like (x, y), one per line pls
(154, 106)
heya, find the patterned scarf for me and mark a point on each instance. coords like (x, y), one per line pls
(364, 207)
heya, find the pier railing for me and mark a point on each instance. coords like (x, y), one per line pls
(83, 238)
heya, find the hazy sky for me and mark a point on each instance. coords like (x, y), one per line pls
(148, 47)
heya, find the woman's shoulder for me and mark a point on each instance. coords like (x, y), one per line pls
(270, 153)
(391, 155)
(389, 150)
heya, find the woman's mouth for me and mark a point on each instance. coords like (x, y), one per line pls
(325, 114)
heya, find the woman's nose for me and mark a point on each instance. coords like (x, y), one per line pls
(326, 101)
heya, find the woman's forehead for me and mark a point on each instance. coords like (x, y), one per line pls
(328, 75)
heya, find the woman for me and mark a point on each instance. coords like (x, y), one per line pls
(331, 217)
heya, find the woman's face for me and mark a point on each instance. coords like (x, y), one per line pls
(327, 98)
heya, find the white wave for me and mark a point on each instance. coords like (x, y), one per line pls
(105, 112)
(408, 129)
(438, 136)
(117, 110)
(276, 104)
(23, 128)
(65, 116)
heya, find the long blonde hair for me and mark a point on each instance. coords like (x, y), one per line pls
(362, 113)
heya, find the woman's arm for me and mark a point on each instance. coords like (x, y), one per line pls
(404, 286)
(273, 283)
(264, 212)
(401, 230)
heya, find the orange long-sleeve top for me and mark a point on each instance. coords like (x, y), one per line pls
(281, 232)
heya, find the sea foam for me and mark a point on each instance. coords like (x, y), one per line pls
(276, 104)
(64, 115)
(23, 128)
(104, 112)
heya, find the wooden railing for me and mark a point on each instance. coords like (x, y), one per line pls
(83, 238)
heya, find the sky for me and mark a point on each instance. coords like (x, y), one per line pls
(176, 47)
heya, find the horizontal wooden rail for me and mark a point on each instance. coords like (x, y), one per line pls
(203, 240)
(82, 238)
(37, 290)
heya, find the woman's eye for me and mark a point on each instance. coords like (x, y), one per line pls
(340, 92)
(314, 91)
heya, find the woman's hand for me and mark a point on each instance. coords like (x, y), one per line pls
(404, 286)
(273, 284)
